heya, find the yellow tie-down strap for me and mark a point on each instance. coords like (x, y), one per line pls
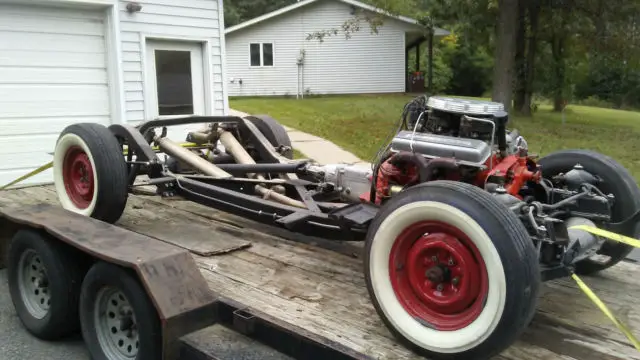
(591, 295)
(26, 176)
(50, 165)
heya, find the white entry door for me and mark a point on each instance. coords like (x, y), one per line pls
(175, 82)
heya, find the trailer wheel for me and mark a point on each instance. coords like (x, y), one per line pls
(451, 272)
(90, 173)
(118, 319)
(273, 131)
(44, 283)
(617, 181)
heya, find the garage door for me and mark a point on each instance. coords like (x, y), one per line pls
(52, 73)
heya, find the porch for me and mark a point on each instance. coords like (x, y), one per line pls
(419, 73)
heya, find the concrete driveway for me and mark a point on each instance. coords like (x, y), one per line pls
(17, 344)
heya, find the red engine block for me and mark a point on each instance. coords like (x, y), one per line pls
(513, 171)
(394, 172)
(406, 169)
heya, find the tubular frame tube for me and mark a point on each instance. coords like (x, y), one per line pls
(242, 156)
(233, 147)
(220, 158)
(265, 211)
(186, 120)
(262, 168)
(186, 156)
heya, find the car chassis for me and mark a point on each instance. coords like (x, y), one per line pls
(320, 210)
(519, 240)
(336, 221)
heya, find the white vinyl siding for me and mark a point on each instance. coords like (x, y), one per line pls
(365, 63)
(53, 72)
(184, 19)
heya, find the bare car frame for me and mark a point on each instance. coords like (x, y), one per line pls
(461, 223)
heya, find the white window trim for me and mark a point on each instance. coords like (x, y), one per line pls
(114, 67)
(223, 56)
(273, 54)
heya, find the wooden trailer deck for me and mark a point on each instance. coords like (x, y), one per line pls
(322, 293)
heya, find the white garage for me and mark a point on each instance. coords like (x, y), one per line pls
(64, 62)
(53, 72)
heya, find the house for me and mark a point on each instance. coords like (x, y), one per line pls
(270, 54)
(102, 61)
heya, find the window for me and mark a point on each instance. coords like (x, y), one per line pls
(255, 54)
(261, 54)
(174, 83)
(267, 54)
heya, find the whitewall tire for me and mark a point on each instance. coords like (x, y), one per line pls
(452, 272)
(76, 192)
(90, 173)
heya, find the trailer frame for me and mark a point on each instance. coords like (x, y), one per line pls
(182, 298)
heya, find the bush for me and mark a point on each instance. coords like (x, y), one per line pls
(595, 101)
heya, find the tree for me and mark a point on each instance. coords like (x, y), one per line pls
(237, 11)
(526, 53)
(375, 20)
(505, 52)
(559, 49)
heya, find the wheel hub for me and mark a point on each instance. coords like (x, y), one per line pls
(34, 284)
(432, 264)
(78, 177)
(116, 324)
(435, 274)
(438, 275)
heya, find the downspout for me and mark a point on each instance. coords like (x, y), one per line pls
(298, 83)
(300, 63)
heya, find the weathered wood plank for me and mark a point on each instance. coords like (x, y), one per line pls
(334, 329)
(161, 223)
(350, 248)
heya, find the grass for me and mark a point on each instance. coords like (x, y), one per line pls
(361, 123)
(298, 155)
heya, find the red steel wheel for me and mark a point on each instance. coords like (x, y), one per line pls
(452, 272)
(77, 174)
(438, 275)
(90, 173)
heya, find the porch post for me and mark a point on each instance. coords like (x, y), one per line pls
(406, 69)
(417, 57)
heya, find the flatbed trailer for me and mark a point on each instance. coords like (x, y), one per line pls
(265, 293)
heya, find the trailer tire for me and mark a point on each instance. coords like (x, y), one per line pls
(273, 131)
(44, 283)
(112, 296)
(616, 180)
(417, 281)
(89, 171)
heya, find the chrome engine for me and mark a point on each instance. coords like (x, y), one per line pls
(464, 130)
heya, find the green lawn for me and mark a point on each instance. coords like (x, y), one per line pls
(361, 123)
(298, 155)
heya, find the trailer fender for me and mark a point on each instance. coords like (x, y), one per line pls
(181, 296)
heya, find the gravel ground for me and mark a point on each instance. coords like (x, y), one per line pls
(17, 344)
